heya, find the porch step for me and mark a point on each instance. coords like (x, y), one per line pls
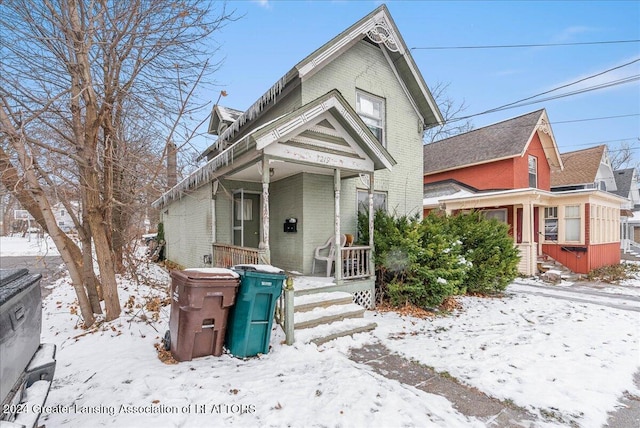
(308, 302)
(326, 315)
(327, 332)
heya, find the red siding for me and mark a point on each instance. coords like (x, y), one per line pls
(494, 175)
(510, 173)
(604, 255)
(596, 256)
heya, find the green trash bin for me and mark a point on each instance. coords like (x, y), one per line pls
(250, 320)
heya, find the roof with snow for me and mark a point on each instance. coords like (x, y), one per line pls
(378, 27)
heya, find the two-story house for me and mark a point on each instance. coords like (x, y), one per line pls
(340, 132)
(506, 170)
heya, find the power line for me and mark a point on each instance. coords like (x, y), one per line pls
(537, 45)
(520, 102)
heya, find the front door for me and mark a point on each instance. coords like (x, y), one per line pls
(246, 219)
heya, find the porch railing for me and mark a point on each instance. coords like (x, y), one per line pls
(225, 255)
(356, 262)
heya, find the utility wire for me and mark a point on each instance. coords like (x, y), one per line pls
(538, 45)
(521, 101)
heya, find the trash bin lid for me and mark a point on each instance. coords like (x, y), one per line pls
(259, 268)
(210, 273)
(14, 281)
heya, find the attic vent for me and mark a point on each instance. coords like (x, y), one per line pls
(380, 33)
(222, 127)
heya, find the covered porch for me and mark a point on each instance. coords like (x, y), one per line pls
(521, 210)
(294, 189)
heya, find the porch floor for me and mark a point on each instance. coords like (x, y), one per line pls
(311, 283)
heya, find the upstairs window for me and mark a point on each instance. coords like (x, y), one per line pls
(533, 172)
(371, 111)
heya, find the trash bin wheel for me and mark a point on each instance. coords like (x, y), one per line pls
(166, 340)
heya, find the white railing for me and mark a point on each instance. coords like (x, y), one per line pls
(356, 262)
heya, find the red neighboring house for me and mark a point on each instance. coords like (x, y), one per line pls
(505, 171)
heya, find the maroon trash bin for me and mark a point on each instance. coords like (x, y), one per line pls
(200, 302)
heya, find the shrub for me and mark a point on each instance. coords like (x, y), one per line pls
(486, 244)
(424, 262)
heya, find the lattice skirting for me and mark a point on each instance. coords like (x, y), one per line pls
(365, 298)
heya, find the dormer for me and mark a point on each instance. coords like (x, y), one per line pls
(221, 118)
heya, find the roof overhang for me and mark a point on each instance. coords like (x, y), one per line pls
(548, 141)
(321, 136)
(530, 196)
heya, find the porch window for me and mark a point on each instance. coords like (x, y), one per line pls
(533, 171)
(500, 215)
(551, 224)
(371, 111)
(572, 223)
(379, 201)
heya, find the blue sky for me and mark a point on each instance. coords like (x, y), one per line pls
(272, 36)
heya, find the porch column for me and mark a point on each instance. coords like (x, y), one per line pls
(372, 266)
(264, 239)
(336, 210)
(214, 191)
(528, 241)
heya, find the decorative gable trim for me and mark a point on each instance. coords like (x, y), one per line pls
(295, 122)
(377, 28)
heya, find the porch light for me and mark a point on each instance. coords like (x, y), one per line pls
(271, 172)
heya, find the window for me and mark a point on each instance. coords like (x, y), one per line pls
(379, 201)
(533, 171)
(572, 223)
(62, 213)
(500, 215)
(551, 224)
(371, 111)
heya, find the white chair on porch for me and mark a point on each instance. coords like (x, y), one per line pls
(327, 253)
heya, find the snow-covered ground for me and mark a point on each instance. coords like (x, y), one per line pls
(31, 244)
(572, 360)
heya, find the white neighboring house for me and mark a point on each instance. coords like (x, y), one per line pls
(63, 218)
(627, 187)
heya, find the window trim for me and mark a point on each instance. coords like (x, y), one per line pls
(550, 219)
(534, 173)
(572, 219)
(375, 192)
(383, 112)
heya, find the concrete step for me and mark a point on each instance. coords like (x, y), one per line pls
(309, 302)
(319, 315)
(327, 332)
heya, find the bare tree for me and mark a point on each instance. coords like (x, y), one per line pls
(96, 85)
(450, 110)
(624, 156)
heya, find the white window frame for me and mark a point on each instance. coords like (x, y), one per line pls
(533, 170)
(550, 216)
(499, 214)
(572, 219)
(363, 205)
(370, 119)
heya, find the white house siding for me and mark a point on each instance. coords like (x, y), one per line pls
(187, 225)
(285, 201)
(365, 68)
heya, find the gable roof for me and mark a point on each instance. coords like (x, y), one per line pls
(503, 140)
(379, 28)
(623, 177)
(580, 167)
(327, 127)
